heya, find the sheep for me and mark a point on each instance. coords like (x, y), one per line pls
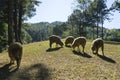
(69, 40)
(96, 44)
(79, 41)
(55, 39)
(15, 53)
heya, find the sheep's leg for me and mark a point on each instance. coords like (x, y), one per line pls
(73, 48)
(97, 51)
(56, 45)
(11, 58)
(78, 48)
(18, 62)
(65, 44)
(92, 51)
(11, 61)
(83, 48)
(102, 48)
(19, 59)
(50, 44)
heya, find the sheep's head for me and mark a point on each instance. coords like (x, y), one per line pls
(92, 48)
(73, 46)
(61, 44)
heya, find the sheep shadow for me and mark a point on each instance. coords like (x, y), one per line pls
(68, 46)
(82, 54)
(106, 58)
(36, 71)
(5, 71)
(53, 49)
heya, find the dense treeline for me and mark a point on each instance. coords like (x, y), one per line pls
(41, 31)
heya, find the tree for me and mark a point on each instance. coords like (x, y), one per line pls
(82, 8)
(20, 12)
(90, 13)
(10, 21)
(116, 5)
(57, 30)
(99, 12)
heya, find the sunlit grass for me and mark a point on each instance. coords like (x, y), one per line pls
(40, 64)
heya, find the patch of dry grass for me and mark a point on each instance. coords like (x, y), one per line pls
(40, 63)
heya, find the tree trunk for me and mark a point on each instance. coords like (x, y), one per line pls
(72, 29)
(102, 29)
(20, 21)
(93, 33)
(79, 28)
(97, 27)
(97, 23)
(10, 22)
(16, 21)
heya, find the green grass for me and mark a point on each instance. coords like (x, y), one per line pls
(38, 63)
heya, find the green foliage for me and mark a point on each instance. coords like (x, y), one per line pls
(118, 34)
(3, 36)
(14, 12)
(89, 13)
(38, 31)
(41, 31)
(3, 29)
(57, 31)
(116, 5)
(29, 8)
(113, 35)
(3, 11)
(26, 38)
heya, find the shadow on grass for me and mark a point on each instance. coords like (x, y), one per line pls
(68, 46)
(5, 71)
(106, 58)
(53, 49)
(82, 54)
(34, 72)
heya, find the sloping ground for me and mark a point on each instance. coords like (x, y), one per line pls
(40, 63)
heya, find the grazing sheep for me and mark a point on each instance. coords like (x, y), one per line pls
(69, 40)
(96, 44)
(79, 41)
(55, 39)
(15, 53)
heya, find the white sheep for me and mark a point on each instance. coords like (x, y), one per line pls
(96, 44)
(15, 53)
(69, 40)
(79, 41)
(55, 39)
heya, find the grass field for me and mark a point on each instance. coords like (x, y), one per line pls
(40, 63)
